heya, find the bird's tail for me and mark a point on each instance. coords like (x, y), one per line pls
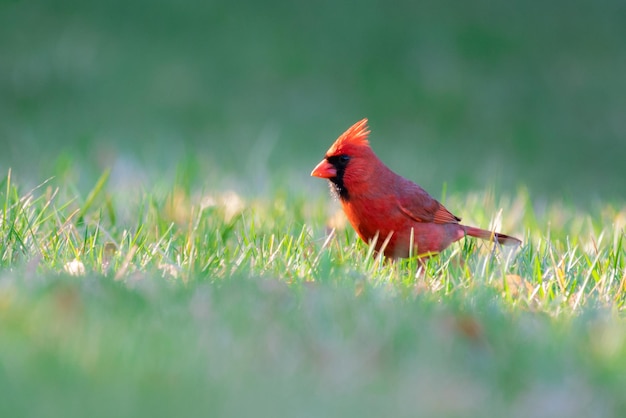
(491, 236)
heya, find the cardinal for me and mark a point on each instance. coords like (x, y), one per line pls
(395, 214)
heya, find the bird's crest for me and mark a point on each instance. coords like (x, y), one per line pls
(355, 135)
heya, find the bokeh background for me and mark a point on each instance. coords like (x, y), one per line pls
(521, 93)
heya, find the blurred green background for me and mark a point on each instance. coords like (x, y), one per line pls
(473, 94)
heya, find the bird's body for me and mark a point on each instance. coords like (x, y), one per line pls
(384, 206)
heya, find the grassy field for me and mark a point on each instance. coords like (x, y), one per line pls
(164, 252)
(523, 93)
(182, 302)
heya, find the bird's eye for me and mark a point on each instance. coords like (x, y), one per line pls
(339, 161)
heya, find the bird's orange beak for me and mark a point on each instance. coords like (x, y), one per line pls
(324, 170)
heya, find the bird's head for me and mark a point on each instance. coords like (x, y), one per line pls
(348, 161)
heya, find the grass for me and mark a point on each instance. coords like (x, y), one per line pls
(150, 277)
(518, 92)
(182, 301)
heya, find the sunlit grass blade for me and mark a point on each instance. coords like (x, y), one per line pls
(93, 194)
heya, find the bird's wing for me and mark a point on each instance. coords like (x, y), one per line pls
(418, 205)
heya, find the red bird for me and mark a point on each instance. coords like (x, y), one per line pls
(384, 206)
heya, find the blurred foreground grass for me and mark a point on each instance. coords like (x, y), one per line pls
(195, 303)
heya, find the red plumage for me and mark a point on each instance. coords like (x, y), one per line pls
(385, 206)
